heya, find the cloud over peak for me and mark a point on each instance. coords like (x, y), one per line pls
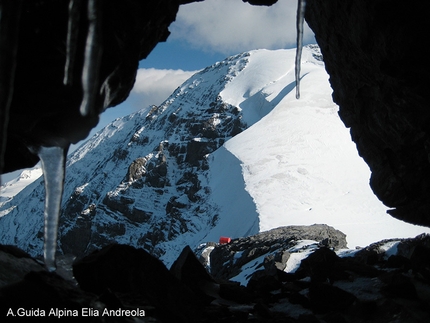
(231, 26)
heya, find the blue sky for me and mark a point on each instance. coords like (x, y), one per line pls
(178, 54)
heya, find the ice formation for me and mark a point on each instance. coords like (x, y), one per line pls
(72, 38)
(53, 165)
(301, 7)
(93, 50)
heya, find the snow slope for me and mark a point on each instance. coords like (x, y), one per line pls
(15, 185)
(231, 152)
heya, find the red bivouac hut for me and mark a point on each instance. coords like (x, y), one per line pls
(223, 240)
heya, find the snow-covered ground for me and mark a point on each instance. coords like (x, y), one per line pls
(17, 181)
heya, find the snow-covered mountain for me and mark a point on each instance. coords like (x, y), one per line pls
(231, 152)
(23, 178)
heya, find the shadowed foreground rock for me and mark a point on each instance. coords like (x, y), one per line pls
(387, 281)
(127, 270)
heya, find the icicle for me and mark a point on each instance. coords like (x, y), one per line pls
(92, 57)
(72, 39)
(301, 7)
(53, 166)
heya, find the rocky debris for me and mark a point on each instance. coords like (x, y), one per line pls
(327, 286)
(273, 246)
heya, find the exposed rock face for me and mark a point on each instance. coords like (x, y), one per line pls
(227, 260)
(373, 51)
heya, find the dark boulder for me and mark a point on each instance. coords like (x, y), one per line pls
(15, 264)
(188, 270)
(124, 269)
(321, 266)
(398, 285)
(325, 298)
(45, 296)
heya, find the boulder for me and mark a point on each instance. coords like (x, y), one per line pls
(188, 270)
(124, 269)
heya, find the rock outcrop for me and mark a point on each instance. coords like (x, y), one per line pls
(388, 281)
(274, 246)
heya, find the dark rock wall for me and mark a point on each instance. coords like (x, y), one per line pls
(38, 108)
(376, 53)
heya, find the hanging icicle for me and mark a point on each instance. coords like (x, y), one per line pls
(72, 40)
(93, 49)
(301, 8)
(53, 166)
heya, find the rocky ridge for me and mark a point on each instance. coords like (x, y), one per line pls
(165, 153)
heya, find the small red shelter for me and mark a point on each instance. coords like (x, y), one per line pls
(223, 240)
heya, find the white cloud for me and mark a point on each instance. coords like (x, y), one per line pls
(231, 26)
(153, 86)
